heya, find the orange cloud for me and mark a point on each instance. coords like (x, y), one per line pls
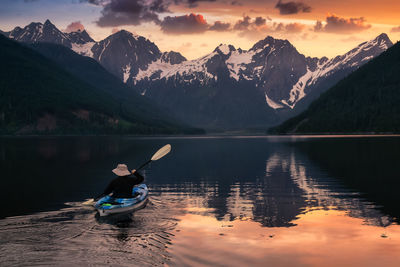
(187, 24)
(254, 28)
(75, 26)
(290, 28)
(335, 24)
(395, 29)
(220, 26)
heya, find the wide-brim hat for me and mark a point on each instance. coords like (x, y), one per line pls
(121, 170)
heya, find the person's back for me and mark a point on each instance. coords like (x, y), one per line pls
(122, 186)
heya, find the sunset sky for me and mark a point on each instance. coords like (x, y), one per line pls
(195, 27)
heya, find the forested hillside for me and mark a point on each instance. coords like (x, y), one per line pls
(39, 96)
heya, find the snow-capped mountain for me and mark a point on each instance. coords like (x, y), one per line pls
(323, 73)
(38, 32)
(228, 87)
(124, 53)
(273, 66)
(35, 32)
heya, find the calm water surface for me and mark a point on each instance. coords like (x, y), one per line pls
(233, 201)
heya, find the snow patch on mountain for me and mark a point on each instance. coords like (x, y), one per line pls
(272, 103)
(104, 48)
(237, 62)
(224, 49)
(83, 49)
(159, 69)
(297, 91)
(367, 58)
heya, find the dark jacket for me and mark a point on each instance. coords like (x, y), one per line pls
(122, 186)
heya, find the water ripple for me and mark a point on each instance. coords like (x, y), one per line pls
(77, 236)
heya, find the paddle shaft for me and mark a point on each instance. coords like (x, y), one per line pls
(159, 154)
(144, 164)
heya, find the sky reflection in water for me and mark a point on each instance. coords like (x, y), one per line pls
(214, 201)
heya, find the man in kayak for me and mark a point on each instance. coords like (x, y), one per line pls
(122, 186)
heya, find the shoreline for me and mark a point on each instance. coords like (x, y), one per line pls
(217, 135)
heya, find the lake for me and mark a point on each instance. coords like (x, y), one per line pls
(214, 201)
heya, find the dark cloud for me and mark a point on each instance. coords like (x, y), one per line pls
(74, 26)
(247, 23)
(129, 12)
(395, 29)
(259, 21)
(292, 7)
(93, 2)
(192, 3)
(289, 28)
(187, 24)
(236, 3)
(134, 12)
(318, 26)
(220, 26)
(335, 24)
(259, 26)
(243, 24)
(159, 6)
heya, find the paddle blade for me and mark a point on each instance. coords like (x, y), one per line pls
(161, 152)
(89, 202)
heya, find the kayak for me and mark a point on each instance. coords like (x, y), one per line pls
(109, 205)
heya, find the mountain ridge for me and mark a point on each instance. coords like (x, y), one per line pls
(272, 69)
(365, 101)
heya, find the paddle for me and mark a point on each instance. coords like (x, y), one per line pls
(158, 155)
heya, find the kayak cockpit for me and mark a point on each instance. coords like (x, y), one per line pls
(109, 205)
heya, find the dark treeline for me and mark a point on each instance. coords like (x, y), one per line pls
(64, 93)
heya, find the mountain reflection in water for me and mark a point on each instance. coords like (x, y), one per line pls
(213, 202)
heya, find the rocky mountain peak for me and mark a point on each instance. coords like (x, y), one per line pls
(262, 44)
(172, 57)
(365, 51)
(34, 25)
(124, 34)
(382, 41)
(124, 53)
(80, 37)
(38, 32)
(383, 37)
(224, 49)
(48, 23)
